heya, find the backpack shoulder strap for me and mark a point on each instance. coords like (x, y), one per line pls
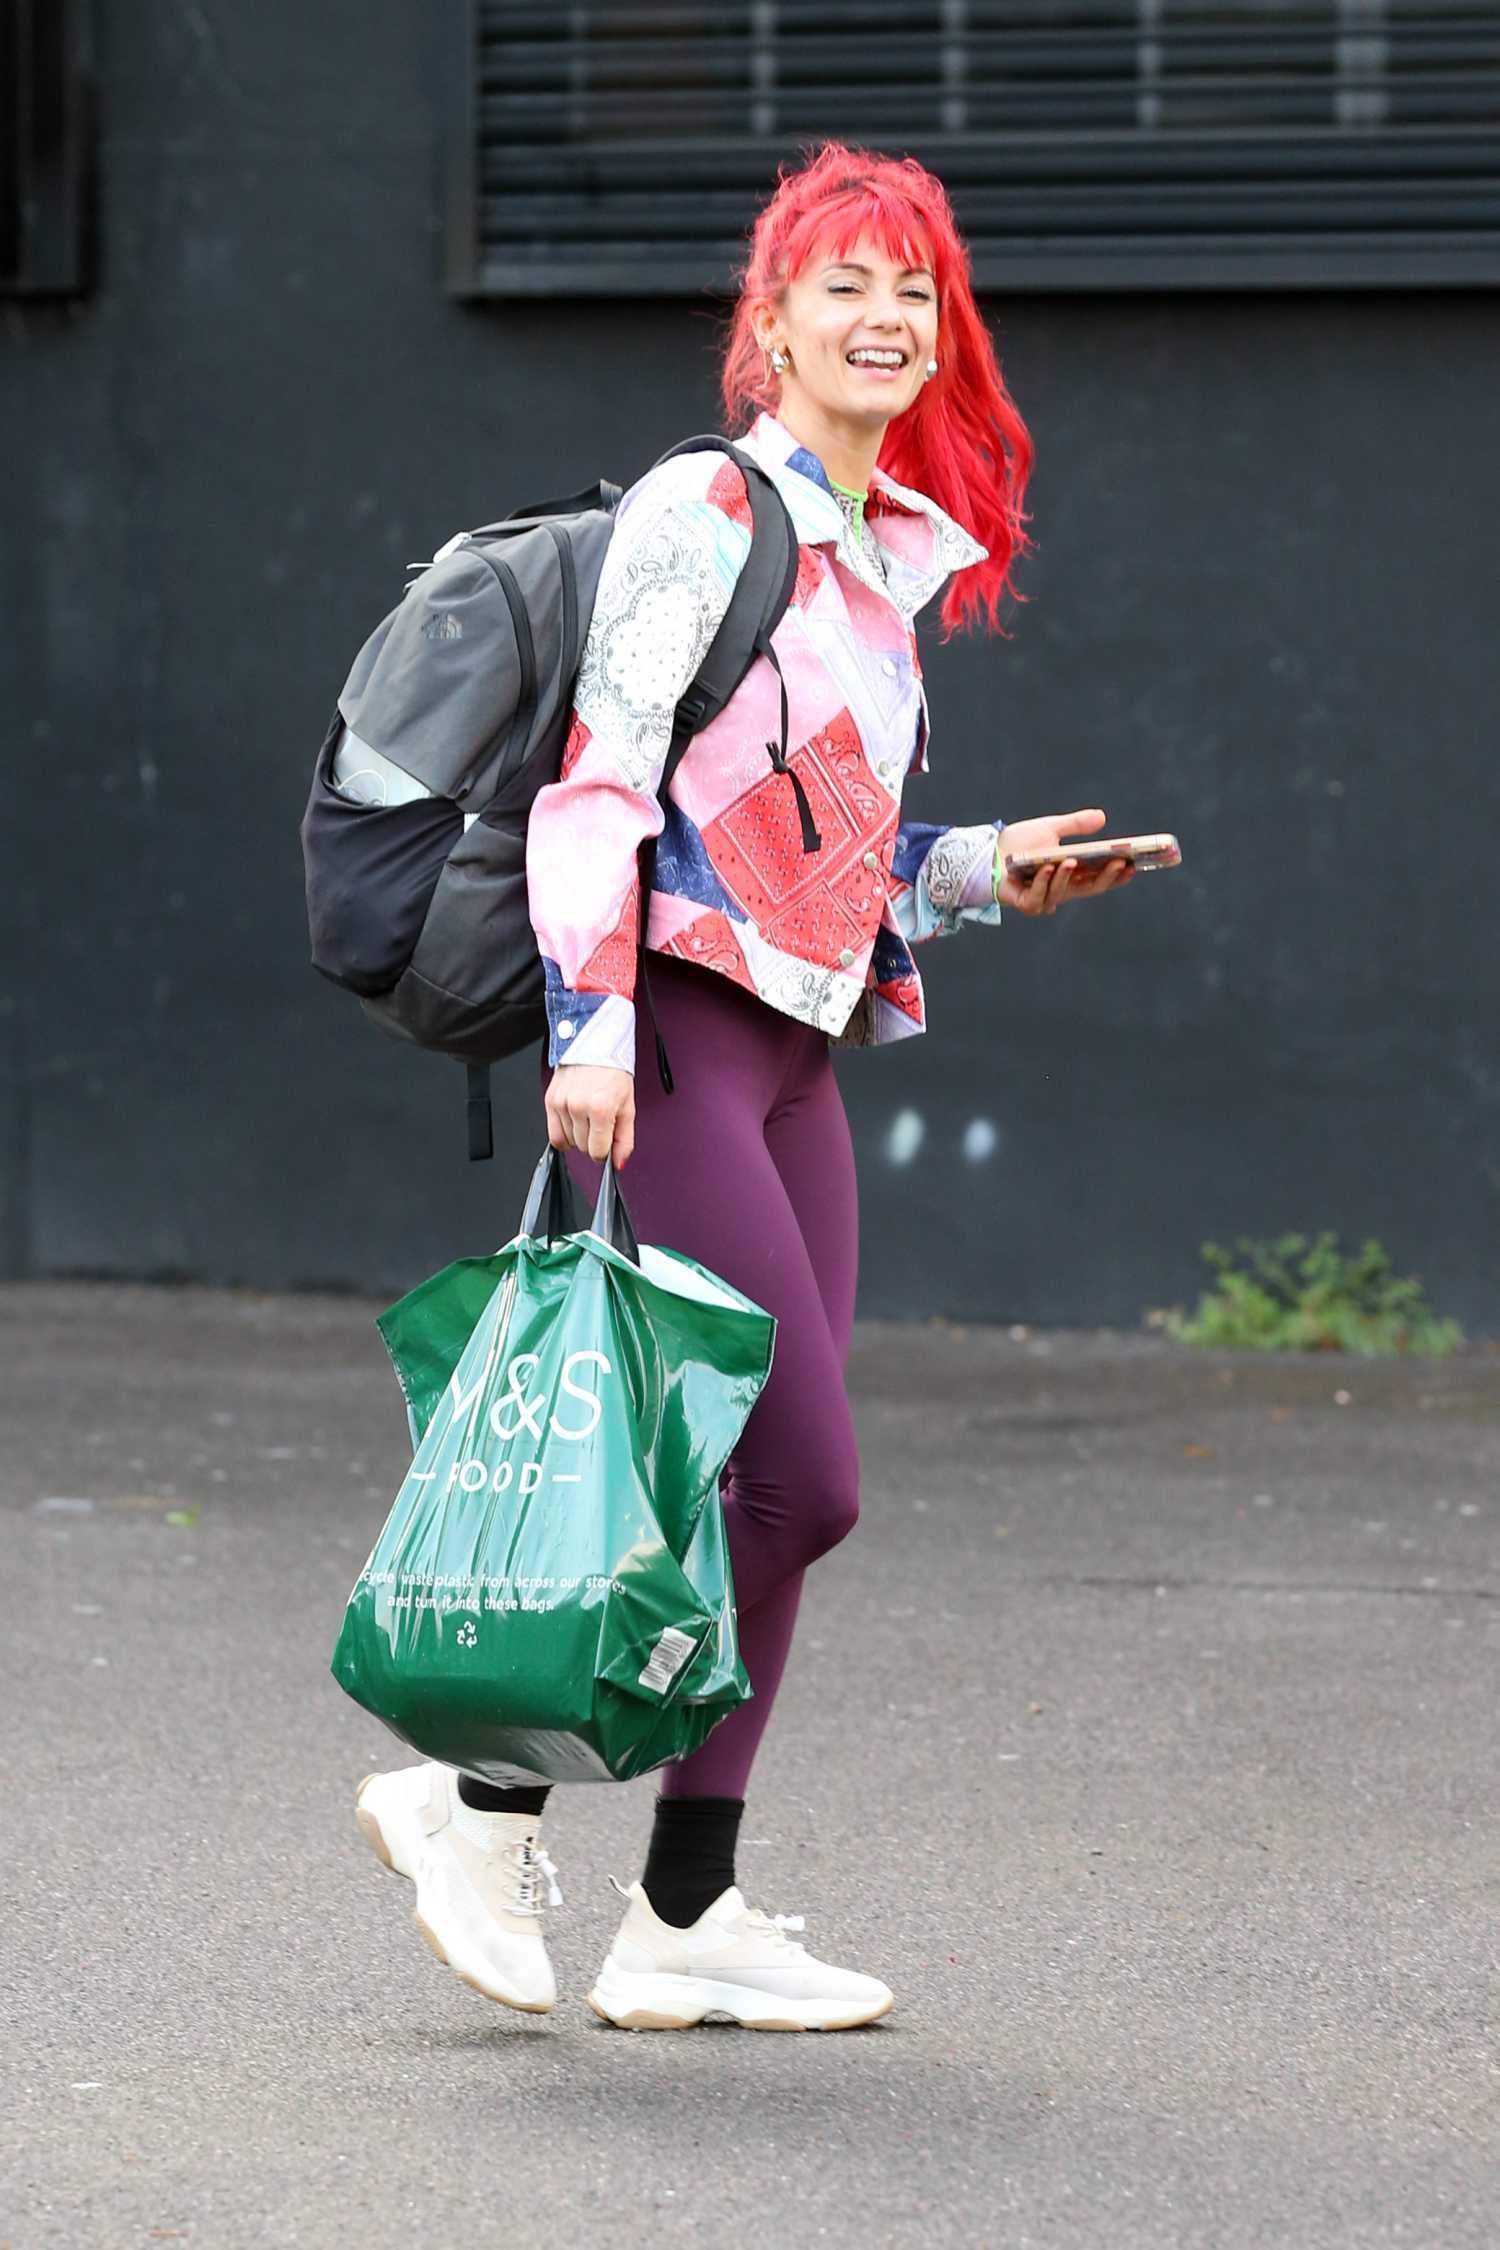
(756, 607)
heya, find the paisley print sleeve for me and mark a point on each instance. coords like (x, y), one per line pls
(943, 878)
(668, 573)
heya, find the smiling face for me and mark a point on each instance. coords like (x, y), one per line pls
(859, 330)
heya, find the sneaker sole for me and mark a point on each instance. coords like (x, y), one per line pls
(375, 1836)
(635, 2002)
(373, 1833)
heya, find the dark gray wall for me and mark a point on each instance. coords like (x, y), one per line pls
(1262, 614)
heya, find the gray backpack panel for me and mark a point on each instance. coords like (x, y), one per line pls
(467, 686)
(475, 986)
(485, 641)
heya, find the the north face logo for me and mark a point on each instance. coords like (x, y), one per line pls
(444, 628)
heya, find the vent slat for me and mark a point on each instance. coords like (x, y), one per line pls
(1071, 211)
(542, 126)
(705, 166)
(617, 66)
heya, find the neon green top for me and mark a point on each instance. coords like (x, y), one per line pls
(856, 512)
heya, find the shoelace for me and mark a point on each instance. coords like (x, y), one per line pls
(531, 1863)
(776, 1924)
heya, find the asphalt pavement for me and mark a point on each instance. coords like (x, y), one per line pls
(1142, 1738)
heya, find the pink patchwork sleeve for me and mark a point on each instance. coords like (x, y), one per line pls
(668, 573)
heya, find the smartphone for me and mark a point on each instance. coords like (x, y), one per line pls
(1141, 851)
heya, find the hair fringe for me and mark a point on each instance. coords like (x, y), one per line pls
(962, 441)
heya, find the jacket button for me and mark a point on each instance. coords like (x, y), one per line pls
(883, 768)
(565, 1031)
(846, 959)
(889, 668)
(872, 862)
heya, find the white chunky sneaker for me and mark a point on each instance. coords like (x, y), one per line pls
(479, 1878)
(733, 1962)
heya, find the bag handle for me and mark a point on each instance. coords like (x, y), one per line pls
(552, 1208)
(612, 1220)
(603, 496)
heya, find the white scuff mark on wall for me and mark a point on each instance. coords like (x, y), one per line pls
(907, 1132)
(981, 1139)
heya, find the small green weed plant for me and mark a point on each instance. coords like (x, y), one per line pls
(1304, 1294)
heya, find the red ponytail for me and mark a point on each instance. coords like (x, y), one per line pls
(961, 441)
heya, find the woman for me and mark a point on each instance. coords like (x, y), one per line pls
(785, 904)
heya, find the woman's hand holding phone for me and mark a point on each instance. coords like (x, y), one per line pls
(1052, 887)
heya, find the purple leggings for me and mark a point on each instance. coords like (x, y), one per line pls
(748, 1168)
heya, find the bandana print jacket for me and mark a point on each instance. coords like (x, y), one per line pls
(827, 936)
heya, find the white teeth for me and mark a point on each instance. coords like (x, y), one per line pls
(876, 359)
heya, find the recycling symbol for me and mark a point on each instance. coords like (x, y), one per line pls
(467, 1633)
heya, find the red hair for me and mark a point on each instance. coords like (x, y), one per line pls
(961, 441)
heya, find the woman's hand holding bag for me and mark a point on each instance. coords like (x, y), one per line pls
(591, 1107)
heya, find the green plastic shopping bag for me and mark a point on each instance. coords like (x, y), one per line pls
(551, 1596)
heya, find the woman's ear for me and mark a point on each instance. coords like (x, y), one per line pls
(763, 323)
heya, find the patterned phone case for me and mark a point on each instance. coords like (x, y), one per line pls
(1144, 852)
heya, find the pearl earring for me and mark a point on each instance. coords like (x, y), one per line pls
(779, 359)
(931, 369)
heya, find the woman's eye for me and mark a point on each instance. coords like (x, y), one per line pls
(849, 289)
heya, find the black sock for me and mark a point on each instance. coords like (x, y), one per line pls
(483, 1796)
(691, 1858)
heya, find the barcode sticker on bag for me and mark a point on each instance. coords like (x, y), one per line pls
(666, 1660)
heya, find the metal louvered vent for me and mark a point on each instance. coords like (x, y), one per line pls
(623, 148)
(44, 103)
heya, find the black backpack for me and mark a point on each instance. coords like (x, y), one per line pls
(454, 715)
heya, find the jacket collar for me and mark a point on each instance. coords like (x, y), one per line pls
(920, 545)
